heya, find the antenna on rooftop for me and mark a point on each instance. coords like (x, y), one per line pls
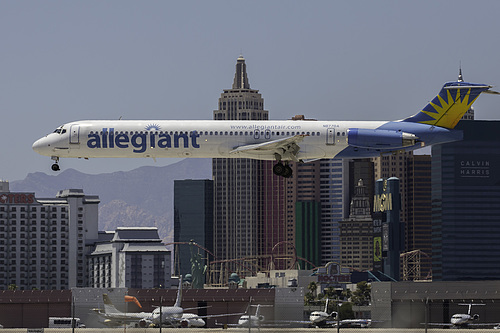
(460, 78)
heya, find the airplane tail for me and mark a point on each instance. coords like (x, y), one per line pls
(108, 305)
(257, 311)
(448, 107)
(133, 299)
(179, 293)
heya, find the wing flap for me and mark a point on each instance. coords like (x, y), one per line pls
(286, 148)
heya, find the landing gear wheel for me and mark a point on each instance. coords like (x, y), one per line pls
(288, 172)
(282, 170)
(279, 169)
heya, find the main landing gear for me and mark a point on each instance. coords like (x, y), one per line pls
(55, 166)
(282, 170)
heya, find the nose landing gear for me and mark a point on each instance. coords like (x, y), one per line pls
(55, 166)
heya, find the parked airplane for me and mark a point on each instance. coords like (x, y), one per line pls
(464, 320)
(255, 320)
(172, 316)
(323, 318)
(280, 141)
(116, 318)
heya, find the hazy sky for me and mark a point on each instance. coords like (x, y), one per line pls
(331, 60)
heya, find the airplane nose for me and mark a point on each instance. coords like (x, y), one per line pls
(40, 146)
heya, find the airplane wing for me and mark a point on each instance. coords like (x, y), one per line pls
(286, 148)
(222, 315)
(445, 325)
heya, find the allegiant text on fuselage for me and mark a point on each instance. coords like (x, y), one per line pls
(140, 141)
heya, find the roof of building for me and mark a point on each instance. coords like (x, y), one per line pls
(138, 247)
(143, 234)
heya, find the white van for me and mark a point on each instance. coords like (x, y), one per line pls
(64, 322)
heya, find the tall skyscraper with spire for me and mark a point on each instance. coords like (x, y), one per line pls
(248, 197)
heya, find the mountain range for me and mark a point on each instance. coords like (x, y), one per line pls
(140, 197)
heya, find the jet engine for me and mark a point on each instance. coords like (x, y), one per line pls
(379, 138)
(145, 323)
(475, 317)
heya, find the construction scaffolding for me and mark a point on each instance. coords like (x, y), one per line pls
(218, 271)
(411, 266)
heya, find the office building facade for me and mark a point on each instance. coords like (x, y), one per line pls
(466, 204)
(193, 220)
(334, 197)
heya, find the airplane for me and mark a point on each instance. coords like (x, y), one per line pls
(323, 318)
(464, 320)
(279, 140)
(171, 316)
(255, 320)
(116, 318)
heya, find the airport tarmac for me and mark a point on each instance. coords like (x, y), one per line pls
(264, 330)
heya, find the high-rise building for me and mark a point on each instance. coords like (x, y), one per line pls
(414, 172)
(304, 210)
(193, 219)
(334, 197)
(356, 232)
(418, 216)
(248, 198)
(44, 241)
(318, 182)
(466, 204)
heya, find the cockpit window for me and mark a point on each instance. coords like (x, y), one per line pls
(60, 130)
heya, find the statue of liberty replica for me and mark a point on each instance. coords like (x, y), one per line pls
(197, 267)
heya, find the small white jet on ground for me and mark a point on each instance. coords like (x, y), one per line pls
(248, 320)
(256, 320)
(464, 320)
(280, 141)
(323, 318)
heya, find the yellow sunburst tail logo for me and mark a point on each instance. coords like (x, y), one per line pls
(448, 107)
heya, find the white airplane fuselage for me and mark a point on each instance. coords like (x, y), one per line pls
(318, 317)
(212, 139)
